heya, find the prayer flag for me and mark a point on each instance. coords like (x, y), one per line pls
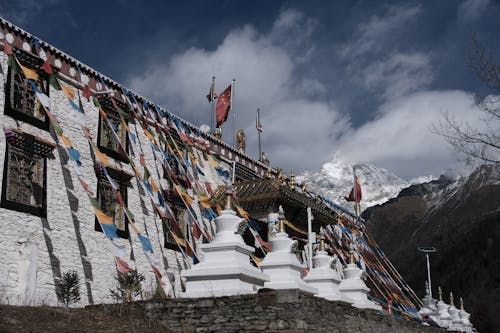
(358, 193)
(7, 49)
(223, 106)
(146, 244)
(86, 92)
(46, 67)
(102, 158)
(69, 92)
(122, 265)
(211, 93)
(29, 73)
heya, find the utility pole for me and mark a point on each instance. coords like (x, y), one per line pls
(428, 250)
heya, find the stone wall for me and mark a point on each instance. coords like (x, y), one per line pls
(269, 311)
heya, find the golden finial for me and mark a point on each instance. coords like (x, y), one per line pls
(351, 254)
(229, 194)
(281, 219)
(461, 304)
(240, 141)
(264, 158)
(280, 175)
(321, 239)
(440, 294)
(292, 179)
(218, 133)
(303, 185)
(451, 299)
(269, 174)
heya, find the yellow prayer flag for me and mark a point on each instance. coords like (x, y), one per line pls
(102, 113)
(102, 158)
(204, 201)
(124, 123)
(242, 212)
(212, 161)
(66, 141)
(178, 240)
(103, 218)
(69, 92)
(219, 209)
(29, 73)
(133, 227)
(154, 187)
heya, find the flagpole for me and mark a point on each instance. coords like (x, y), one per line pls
(258, 133)
(234, 114)
(212, 115)
(356, 203)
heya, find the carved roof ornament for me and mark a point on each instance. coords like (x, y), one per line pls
(269, 174)
(240, 141)
(303, 186)
(264, 158)
(218, 133)
(292, 179)
(280, 176)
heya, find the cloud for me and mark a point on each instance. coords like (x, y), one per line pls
(470, 10)
(299, 123)
(303, 126)
(372, 35)
(402, 139)
(22, 11)
(398, 74)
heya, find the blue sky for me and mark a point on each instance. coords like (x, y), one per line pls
(363, 81)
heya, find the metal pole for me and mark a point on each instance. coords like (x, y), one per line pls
(234, 114)
(429, 274)
(309, 235)
(212, 115)
(258, 133)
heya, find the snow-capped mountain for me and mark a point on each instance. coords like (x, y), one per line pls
(335, 180)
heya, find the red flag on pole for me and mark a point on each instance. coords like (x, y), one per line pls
(358, 193)
(223, 106)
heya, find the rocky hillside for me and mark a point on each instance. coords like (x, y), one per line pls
(461, 219)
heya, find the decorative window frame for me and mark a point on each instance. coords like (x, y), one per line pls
(31, 147)
(107, 106)
(32, 62)
(123, 180)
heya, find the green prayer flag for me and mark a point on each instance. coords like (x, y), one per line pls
(146, 174)
(12, 63)
(96, 102)
(53, 82)
(94, 202)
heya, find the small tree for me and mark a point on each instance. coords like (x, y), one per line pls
(129, 285)
(475, 143)
(68, 289)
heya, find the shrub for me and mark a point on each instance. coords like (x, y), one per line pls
(129, 286)
(68, 289)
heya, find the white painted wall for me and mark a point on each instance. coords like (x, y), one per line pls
(33, 251)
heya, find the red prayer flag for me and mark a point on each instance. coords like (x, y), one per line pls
(46, 67)
(86, 92)
(358, 193)
(223, 105)
(7, 49)
(121, 265)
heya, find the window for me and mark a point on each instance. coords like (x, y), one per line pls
(25, 173)
(107, 141)
(107, 200)
(21, 101)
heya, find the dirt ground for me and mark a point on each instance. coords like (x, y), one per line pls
(59, 320)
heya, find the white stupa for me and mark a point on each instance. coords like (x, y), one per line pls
(226, 269)
(443, 314)
(456, 323)
(322, 276)
(282, 265)
(464, 317)
(429, 309)
(353, 288)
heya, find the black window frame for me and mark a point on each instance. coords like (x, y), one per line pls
(18, 206)
(31, 62)
(122, 180)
